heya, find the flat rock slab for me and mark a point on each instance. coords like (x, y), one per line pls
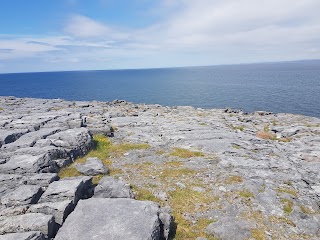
(24, 236)
(60, 210)
(26, 163)
(28, 222)
(41, 179)
(92, 167)
(23, 195)
(116, 219)
(74, 188)
(109, 187)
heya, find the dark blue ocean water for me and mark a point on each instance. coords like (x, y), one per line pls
(292, 87)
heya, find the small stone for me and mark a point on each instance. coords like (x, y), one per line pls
(181, 185)
(92, 167)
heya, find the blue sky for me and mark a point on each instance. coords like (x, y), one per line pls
(53, 35)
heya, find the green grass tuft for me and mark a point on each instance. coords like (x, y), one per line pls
(185, 153)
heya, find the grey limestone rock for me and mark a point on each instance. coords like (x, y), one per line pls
(8, 136)
(32, 235)
(74, 188)
(229, 228)
(60, 210)
(28, 164)
(23, 195)
(116, 219)
(109, 187)
(93, 166)
(28, 222)
(41, 179)
(78, 140)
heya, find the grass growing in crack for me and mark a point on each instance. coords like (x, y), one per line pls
(240, 128)
(1, 109)
(185, 153)
(103, 148)
(233, 180)
(266, 135)
(245, 194)
(144, 194)
(258, 234)
(306, 210)
(117, 150)
(290, 191)
(176, 172)
(287, 205)
(185, 201)
(281, 220)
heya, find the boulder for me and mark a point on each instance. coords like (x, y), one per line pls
(76, 140)
(117, 219)
(28, 222)
(60, 210)
(93, 166)
(109, 187)
(24, 236)
(23, 195)
(73, 188)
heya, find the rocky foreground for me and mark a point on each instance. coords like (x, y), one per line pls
(220, 173)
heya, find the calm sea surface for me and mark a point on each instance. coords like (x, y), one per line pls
(292, 87)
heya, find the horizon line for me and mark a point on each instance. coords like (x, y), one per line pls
(153, 68)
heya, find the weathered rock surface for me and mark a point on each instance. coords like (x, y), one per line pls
(106, 218)
(109, 187)
(28, 222)
(23, 195)
(258, 174)
(74, 189)
(24, 236)
(60, 210)
(92, 167)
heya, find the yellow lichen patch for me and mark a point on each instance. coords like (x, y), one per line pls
(185, 153)
(233, 180)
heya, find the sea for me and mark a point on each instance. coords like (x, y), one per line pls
(290, 87)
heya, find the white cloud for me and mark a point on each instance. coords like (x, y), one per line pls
(198, 32)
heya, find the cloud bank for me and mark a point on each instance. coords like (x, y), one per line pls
(201, 32)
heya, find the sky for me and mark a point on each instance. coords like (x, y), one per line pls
(60, 35)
